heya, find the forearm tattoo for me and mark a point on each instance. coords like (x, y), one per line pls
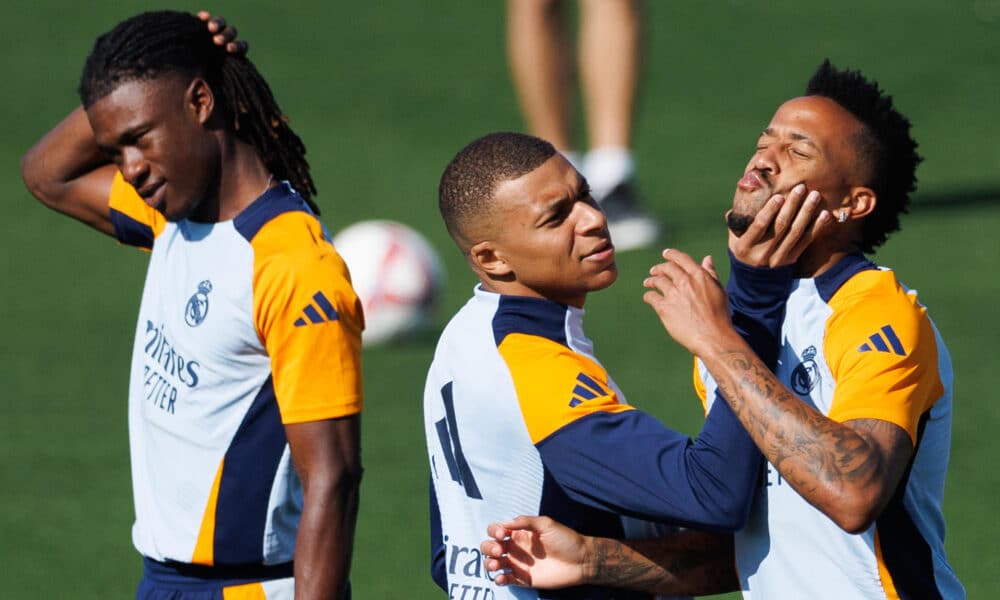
(808, 449)
(689, 562)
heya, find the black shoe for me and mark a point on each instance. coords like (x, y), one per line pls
(630, 225)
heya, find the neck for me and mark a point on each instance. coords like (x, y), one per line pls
(514, 288)
(243, 177)
(823, 254)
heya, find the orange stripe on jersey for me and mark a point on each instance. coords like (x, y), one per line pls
(204, 549)
(127, 201)
(699, 386)
(555, 386)
(309, 319)
(883, 572)
(246, 591)
(882, 352)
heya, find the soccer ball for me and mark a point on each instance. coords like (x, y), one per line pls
(397, 275)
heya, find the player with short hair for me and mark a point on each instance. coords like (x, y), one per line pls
(245, 388)
(856, 420)
(519, 414)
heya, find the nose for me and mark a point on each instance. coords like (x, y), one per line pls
(765, 160)
(591, 217)
(134, 167)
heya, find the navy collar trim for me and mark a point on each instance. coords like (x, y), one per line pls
(829, 282)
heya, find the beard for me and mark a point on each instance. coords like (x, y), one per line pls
(738, 223)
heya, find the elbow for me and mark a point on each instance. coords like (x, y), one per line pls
(338, 488)
(855, 512)
(347, 482)
(854, 522)
(733, 518)
(728, 516)
(38, 185)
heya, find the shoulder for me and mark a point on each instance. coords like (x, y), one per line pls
(287, 239)
(135, 222)
(875, 300)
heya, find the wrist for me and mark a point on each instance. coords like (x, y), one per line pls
(754, 289)
(723, 342)
(594, 552)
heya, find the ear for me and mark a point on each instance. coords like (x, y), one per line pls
(485, 259)
(200, 99)
(862, 201)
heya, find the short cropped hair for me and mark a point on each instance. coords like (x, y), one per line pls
(885, 151)
(471, 178)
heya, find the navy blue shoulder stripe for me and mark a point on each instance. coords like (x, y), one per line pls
(828, 283)
(533, 316)
(131, 232)
(275, 201)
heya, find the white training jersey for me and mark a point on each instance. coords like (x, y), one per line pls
(245, 326)
(521, 418)
(856, 345)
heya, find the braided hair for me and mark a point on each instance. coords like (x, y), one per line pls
(152, 43)
(884, 147)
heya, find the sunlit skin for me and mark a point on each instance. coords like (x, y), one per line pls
(808, 141)
(546, 238)
(156, 132)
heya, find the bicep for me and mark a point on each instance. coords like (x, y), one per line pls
(326, 451)
(86, 199)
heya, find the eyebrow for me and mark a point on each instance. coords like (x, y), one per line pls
(795, 136)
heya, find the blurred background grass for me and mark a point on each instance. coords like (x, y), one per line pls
(384, 93)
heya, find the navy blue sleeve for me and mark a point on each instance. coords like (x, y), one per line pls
(757, 298)
(632, 464)
(439, 571)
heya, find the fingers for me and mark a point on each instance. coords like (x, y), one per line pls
(775, 218)
(492, 549)
(782, 229)
(225, 35)
(801, 231)
(708, 263)
(790, 210)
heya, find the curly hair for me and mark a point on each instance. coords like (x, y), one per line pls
(470, 179)
(153, 43)
(885, 148)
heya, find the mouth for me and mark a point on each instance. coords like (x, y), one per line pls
(601, 252)
(751, 181)
(152, 193)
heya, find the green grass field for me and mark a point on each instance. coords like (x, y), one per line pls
(384, 93)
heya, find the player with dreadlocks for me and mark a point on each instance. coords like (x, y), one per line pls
(855, 421)
(245, 387)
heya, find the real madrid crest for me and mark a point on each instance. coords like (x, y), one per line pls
(805, 376)
(197, 305)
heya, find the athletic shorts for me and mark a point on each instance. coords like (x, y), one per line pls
(179, 581)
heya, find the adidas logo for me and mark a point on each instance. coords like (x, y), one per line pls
(882, 340)
(313, 316)
(586, 389)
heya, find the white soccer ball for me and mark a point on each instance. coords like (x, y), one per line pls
(397, 274)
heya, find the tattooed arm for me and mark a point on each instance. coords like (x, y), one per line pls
(541, 553)
(848, 470)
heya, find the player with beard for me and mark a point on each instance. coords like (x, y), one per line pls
(855, 422)
(520, 415)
